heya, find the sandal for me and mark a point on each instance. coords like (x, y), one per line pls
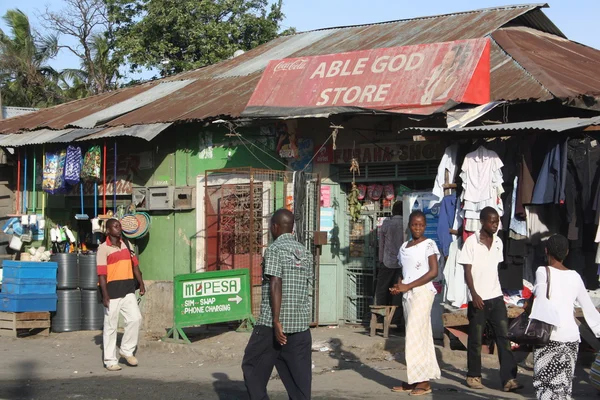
(420, 391)
(404, 388)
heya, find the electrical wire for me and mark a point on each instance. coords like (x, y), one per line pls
(252, 144)
(255, 156)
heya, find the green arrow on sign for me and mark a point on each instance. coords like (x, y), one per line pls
(237, 299)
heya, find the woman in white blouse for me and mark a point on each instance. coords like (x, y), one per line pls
(419, 260)
(554, 364)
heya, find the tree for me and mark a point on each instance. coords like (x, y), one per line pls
(26, 80)
(87, 22)
(179, 35)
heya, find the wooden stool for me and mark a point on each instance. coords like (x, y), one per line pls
(388, 313)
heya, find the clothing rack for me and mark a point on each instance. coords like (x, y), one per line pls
(448, 188)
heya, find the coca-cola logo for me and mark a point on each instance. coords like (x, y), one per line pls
(291, 65)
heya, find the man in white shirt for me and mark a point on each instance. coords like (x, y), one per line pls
(480, 256)
(391, 237)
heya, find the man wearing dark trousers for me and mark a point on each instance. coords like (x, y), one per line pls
(480, 256)
(391, 237)
(281, 337)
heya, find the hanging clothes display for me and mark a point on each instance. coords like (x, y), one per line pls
(481, 176)
(455, 287)
(448, 163)
(517, 224)
(446, 222)
(549, 183)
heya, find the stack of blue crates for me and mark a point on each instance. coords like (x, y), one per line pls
(28, 286)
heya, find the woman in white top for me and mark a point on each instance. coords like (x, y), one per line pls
(554, 364)
(419, 260)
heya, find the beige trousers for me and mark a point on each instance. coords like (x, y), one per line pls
(127, 306)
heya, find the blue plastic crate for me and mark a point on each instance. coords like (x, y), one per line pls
(29, 269)
(28, 286)
(27, 302)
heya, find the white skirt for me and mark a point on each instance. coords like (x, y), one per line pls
(421, 363)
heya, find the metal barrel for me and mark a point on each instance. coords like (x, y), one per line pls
(88, 275)
(68, 272)
(92, 310)
(68, 311)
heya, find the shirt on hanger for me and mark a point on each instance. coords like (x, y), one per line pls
(391, 236)
(481, 175)
(449, 161)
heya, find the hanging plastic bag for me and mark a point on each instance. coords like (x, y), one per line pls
(50, 170)
(60, 185)
(92, 163)
(53, 177)
(73, 165)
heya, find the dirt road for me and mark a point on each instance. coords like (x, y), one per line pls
(351, 365)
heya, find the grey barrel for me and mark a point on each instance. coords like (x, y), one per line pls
(68, 311)
(88, 275)
(68, 272)
(92, 310)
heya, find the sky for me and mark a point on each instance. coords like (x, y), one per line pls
(575, 18)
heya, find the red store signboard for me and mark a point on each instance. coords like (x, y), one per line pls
(404, 79)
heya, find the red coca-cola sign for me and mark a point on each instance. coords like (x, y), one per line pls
(401, 79)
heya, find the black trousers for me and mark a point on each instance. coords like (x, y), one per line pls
(293, 362)
(494, 312)
(386, 278)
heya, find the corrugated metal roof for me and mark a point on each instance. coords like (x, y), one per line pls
(223, 89)
(11, 112)
(146, 132)
(565, 68)
(157, 92)
(61, 116)
(73, 134)
(547, 125)
(290, 46)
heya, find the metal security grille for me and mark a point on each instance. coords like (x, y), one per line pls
(239, 204)
(360, 268)
(390, 171)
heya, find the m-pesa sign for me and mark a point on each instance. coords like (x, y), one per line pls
(387, 79)
(211, 287)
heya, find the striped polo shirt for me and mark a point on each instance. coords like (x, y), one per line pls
(115, 263)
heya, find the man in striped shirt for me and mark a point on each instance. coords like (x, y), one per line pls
(118, 274)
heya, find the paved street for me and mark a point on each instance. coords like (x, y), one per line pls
(68, 366)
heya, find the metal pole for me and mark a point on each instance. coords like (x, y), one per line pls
(252, 247)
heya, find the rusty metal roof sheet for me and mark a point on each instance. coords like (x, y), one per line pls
(156, 92)
(564, 68)
(223, 89)
(146, 132)
(546, 125)
(61, 116)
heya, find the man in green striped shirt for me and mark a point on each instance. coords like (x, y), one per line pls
(282, 337)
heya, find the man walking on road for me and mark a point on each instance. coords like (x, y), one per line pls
(391, 237)
(480, 256)
(281, 337)
(118, 274)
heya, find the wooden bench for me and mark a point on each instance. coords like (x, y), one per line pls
(15, 324)
(387, 312)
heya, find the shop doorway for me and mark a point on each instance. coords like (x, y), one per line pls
(238, 205)
(360, 236)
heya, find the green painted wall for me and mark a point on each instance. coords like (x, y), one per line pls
(170, 249)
